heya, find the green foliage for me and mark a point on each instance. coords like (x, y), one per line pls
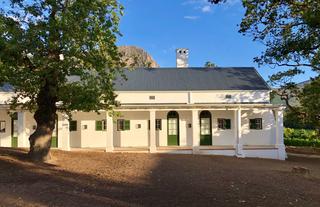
(43, 43)
(302, 142)
(210, 64)
(301, 137)
(310, 102)
(289, 30)
(290, 133)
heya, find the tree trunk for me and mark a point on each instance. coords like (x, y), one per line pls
(45, 116)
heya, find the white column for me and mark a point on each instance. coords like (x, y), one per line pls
(152, 132)
(63, 133)
(22, 135)
(239, 149)
(279, 135)
(195, 132)
(109, 143)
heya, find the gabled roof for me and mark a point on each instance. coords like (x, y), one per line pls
(188, 79)
(6, 88)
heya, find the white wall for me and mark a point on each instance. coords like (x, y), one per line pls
(135, 137)
(87, 137)
(236, 97)
(223, 136)
(266, 136)
(193, 97)
(5, 96)
(5, 138)
(185, 133)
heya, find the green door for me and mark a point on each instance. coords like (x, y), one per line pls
(14, 130)
(205, 128)
(173, 129)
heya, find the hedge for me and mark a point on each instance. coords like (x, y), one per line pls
(290, 133)
(302, 142)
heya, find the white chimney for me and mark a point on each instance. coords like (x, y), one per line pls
(182, 57)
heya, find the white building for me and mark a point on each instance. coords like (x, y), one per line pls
(221, 111)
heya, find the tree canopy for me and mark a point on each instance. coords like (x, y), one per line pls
(210, 64)
(43, 44)
(290, 31)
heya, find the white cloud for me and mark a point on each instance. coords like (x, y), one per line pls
(206, 9)
(191, 17)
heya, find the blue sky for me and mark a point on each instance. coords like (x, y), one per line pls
(209, 31)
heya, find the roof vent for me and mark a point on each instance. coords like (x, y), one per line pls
(182, 57)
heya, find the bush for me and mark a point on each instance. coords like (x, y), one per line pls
(290, 133)
(302, 142)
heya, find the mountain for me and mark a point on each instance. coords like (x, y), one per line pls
(276, 99)
(136, 57)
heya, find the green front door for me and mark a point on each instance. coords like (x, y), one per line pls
(205, 131)
(173, 131)
(14, 130)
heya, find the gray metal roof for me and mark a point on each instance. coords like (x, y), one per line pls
(6, 88)
(181, 79)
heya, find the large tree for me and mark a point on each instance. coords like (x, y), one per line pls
(43, 43)
(290, 31)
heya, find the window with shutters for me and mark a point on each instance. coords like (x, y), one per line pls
(123, 124)
(101, 125)
(256, 123)
(224, 123)
(72, 125)
(158, 124)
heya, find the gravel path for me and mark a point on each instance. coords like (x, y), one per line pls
(121, 179)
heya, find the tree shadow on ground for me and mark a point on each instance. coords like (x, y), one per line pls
(157, 180)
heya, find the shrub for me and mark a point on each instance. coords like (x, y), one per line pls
(302, 142)
(290, 133)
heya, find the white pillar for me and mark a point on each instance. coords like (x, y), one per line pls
(152, 132)
(195, 132)
(239, 147)
(279, 135)
(63, 133)
(109, 142)
(22, 135)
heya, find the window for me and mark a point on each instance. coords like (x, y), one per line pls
(228, 96)
(158, 124)
(123, 125)
(205, 126)
(72, 125)
(224, 123)
(256, 123)
(101, 125)
(2, 126)
(152, 98)
(172, 126)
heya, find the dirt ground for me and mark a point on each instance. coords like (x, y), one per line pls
(137, 179)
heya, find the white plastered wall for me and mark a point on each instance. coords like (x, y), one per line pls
(135, 137)
(5, 138)
(222, 137)
(266, 136)
(87, 137)
(190, 97)
(185, 133)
